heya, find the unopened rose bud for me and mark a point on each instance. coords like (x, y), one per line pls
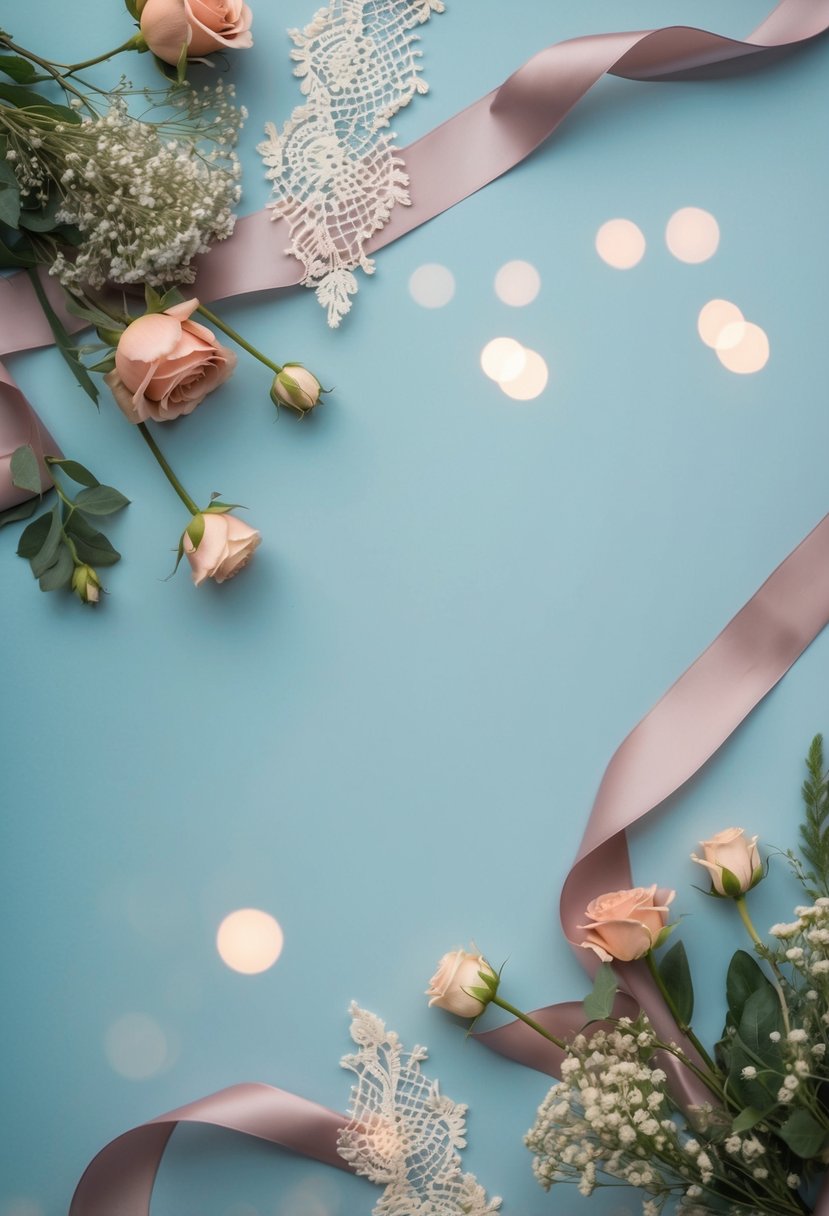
(733, 862)
(464, 984)
(297, 388)
(86, 585)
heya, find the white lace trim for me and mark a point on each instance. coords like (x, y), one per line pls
(403, 1134)
(336, 173)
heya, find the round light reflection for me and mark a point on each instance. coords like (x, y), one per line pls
(714, 317)
(620, 243)
(136, 1046)
(692, 235)
(517, 284)
(531, 382)
(432, 285)
(743, 347)
(249, 941)
(503, 359)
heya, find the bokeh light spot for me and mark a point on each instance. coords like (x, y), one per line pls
(136, 1046)
(249, 941)
(620, 243)
(531, 382)
(503, 359)
(692, 235)
(743, 347)
(713, 319)
(432, 285)
(517, 284)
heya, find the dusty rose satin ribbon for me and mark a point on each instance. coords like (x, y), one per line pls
(119, 1181)
(683, 730)
(464, 154)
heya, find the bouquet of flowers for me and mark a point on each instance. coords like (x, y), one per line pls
(101, 198)
(738, 1127)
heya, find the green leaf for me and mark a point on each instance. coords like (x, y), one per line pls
(195, 530)
(676, 975)
(101, 500)
(598, 1004)
(13, 515)
(761, 1018)
(15, 252)
(181, 66)
(221, 508)
(731, 884)
(803, 1134)
(749, 1118)
(16, 68)
(59, 574)
(43, 218)
(33, 537)
(46, 555)
(92, 546)
(24, 470)
(9, 195)
(63, 341)
(745, 977)
(27, 99)
(105, 365)
(87, 312)
(76, 471)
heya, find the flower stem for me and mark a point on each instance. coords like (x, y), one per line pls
(681, 1026)
(777, 977)
(48, 68)
(136, 43)
(166, 470)
(237, 338)
(524, 1017)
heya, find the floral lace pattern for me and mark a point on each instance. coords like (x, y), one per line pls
(335, 170)
(403, 1133)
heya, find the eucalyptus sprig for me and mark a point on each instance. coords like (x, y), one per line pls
(63, 546)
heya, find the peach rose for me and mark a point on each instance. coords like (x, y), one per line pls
(226, 547)
(204, 25)
(165, 364)
(733, 862)
(457, 975)
(626, 924)
(297, 388)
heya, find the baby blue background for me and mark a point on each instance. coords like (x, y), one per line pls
(389, 730)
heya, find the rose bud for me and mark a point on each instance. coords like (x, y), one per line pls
(297, 388)
(626, 925)
(200, 25)
(166, 364)
(463, 984)
(86, 584)
(226, 546)
(733, 862)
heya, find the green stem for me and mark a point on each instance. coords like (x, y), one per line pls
(237, 338)
(528, 1021)
(777, 977)
(48, 67)
(136, 43)
(166, 470)
(687, 1031)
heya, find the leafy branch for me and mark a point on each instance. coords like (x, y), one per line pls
(814, 831)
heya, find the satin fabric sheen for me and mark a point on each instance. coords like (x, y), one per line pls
(682, 731)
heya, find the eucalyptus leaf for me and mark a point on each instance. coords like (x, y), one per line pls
(33, 537)
(598, 1004)
(676, 975)
(13, 515)
(46, 555)
(16, 68)
(75, 471)
(9, 195)
(91, 545)
(24, 470)
(101, 500)
(59, 574)
(803, 1134)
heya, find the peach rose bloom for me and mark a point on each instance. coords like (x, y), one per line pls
(456, 972)
(733, 851)
(625, 924)
(226, 547)
(166, 364)
(205, 25)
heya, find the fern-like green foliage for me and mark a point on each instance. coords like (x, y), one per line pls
(814, 831)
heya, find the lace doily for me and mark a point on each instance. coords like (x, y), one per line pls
(335, 170)
(403, 1134)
